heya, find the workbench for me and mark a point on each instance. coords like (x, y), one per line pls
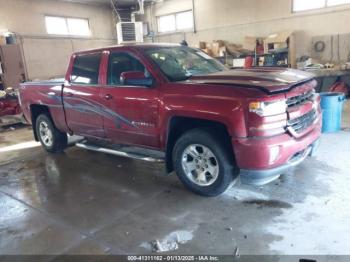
(327, 77)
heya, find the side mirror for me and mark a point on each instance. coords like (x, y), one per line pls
(135, 78)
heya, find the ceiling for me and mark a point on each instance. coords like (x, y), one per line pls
(107, 2)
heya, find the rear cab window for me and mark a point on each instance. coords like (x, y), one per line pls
(86, 69)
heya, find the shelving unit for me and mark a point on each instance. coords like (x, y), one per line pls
(12, 71)
(278, 51)
(273, 59)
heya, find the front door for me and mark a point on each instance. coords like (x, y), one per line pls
(81, 97)
(133, 118)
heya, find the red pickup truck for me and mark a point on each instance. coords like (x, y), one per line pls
(208, 123)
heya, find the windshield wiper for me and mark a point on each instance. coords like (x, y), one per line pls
(188, 77)
(180, 79)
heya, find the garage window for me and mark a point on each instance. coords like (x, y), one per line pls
(303, 5)
(67, 26)
(337, 2)
(175, 22)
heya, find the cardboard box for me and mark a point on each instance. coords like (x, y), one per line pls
(250, 43)
(208, 51)
(202, 45)
(2, 40)
(238, 50)
(234, 49)
(221, 43)
(218, 47)
(215, 49)
(222, 51)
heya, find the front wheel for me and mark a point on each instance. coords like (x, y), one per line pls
(203, 163)
(50, 137)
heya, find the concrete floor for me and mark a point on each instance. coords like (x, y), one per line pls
(82, 202)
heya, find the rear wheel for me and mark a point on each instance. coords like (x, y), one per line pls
(204, 163)
(50, 137)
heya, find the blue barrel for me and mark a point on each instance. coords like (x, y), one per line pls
(332, 108)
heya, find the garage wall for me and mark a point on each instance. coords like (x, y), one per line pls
(47, 56)
(234, 19)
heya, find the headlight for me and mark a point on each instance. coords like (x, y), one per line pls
(268, 108)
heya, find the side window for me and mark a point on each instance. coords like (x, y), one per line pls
(86, 69)
(119, 63)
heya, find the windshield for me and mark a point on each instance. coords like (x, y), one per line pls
(180, 63)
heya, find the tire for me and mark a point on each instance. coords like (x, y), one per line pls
(217, 167)
(53, 140)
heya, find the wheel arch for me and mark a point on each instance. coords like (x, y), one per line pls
(35, 111)
(178, 125)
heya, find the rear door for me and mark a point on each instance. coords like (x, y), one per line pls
(133, 118)
(81, 96)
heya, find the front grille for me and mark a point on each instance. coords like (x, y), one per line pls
(303, 122)
(297, 100)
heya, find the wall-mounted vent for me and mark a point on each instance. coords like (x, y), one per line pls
(130, 32)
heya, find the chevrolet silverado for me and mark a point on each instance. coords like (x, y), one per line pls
(178, 105)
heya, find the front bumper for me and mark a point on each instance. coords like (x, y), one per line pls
(262, 177)
(262, 160)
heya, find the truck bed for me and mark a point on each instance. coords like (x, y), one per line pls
(46, 94)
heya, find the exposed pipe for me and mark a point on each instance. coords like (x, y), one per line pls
(115, 10)
(21, 46)
(141, 7)
(194, 17)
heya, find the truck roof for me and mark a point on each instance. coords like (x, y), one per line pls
(134, 46)
(267, 79)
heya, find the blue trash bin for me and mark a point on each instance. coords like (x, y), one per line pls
(332, 108)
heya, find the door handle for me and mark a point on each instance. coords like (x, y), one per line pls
(70, 94)
(108, 97)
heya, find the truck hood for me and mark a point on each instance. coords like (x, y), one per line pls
(268, 80)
